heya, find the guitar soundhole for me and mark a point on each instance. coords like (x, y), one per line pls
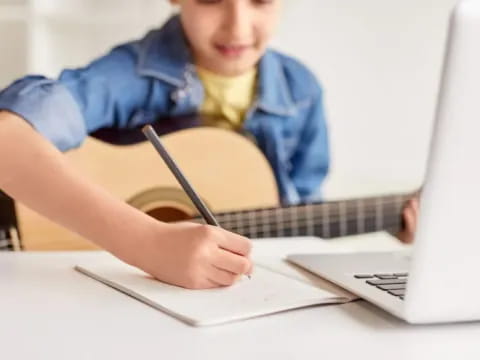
(165, 204)
(168, 214)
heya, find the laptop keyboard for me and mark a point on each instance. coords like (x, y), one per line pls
(394, 283)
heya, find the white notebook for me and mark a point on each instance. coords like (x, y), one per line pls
(267, 292)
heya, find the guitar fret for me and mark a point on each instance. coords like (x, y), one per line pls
(240, 227)
(399, 204)
(251, 226)
(294, 216)
(370, 215)
(310, 223)
(343, 218)
(279, 216)
(399, 200)
(286, 226)
(325, 221)
(335, 220)
(265, 224)
(225, 220)
(360, 216)
(378, 214)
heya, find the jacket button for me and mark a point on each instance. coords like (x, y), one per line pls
(178, 95)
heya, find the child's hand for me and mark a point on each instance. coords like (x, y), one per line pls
(189, 255)
(410, 216)
(194, 256)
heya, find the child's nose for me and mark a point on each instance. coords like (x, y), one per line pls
(238, 22)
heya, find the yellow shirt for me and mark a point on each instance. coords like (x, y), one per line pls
(227, 99)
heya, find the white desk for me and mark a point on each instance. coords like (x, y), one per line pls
(49, 311)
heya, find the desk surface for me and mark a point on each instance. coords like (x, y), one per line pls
(49, 311)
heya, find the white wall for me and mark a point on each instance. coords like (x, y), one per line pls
(379, 62)
(13, 40)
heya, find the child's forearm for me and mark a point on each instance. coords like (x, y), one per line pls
(35, 173)
(189, 255)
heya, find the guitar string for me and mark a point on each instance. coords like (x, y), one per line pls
(333, 217)
(315, 208)
(353, 205)
(255, 228)
(303, 211)
(388, 222)
(349, 217)
(305, 221)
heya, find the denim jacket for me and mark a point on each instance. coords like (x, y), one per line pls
(142, 81)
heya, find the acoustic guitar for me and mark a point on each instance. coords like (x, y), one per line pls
(232, 176)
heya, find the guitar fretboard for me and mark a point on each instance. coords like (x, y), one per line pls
(326, 220)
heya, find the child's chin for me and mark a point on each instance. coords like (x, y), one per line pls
(231, 67)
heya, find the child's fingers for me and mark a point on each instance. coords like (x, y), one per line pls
(222, 277)
(210, 284)
(410, 221)
(235, 243)
(415, 205)
(412, 213)
(231, 262)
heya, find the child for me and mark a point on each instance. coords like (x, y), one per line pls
(410, 216)
(212, 60)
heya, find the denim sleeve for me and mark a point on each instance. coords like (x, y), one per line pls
(311, 160)
(66, 110)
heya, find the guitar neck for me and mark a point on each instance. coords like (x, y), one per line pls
(326, 220)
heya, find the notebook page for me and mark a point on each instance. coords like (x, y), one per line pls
(265, 293)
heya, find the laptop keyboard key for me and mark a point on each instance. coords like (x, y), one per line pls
(363, 276)
(386, 282)
(397, 292)
(385, 277)
(391, 287)
(394, 284)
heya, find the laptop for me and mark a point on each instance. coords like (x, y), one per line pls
(439, 279)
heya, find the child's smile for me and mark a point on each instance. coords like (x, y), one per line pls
(228, 37)
(233, 51)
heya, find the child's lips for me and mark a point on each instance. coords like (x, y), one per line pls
(232, 51)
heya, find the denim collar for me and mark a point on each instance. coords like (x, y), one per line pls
(165, 55)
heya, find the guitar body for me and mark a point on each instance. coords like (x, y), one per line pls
(226, 169)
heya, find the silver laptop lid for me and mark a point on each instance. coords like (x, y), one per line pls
(443, 284)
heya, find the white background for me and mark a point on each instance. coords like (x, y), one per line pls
(379, 62)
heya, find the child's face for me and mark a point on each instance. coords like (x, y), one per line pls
(228, 37)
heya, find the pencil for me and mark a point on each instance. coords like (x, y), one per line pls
(202, 208)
